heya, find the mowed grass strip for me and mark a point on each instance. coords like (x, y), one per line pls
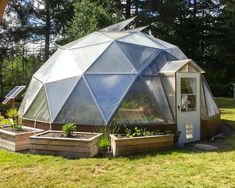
(176, 168)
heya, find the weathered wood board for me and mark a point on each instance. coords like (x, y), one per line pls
(129, 146)
(67, 147)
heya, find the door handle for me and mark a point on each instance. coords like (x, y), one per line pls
(178, 107)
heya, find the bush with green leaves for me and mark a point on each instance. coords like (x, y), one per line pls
(104, 141)
(68, 129)
(136, 132)
(12, 120)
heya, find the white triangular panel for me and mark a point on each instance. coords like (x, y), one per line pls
(32, 91)
(66, 67)
(58, 92)
(91, 39)
(86, 56)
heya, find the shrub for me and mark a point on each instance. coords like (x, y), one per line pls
(104, 142)
(68, 129)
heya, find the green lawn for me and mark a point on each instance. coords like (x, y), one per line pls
(177, 168)
(227, 108)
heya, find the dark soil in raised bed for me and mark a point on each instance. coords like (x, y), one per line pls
(61, 135)
(10, 129)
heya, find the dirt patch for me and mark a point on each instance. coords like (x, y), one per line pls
(214, 144)
(61, 135)
(10, 129)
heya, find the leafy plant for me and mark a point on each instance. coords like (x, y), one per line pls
(12, 113)
(68, 129)
(104, 142)
(136, 132)
(12, 120)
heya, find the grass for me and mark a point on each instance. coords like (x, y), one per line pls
(176, 168)
(227, 109)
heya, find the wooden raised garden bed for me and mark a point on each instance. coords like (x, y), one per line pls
(82, 144)
(128, 146)
(13, 140)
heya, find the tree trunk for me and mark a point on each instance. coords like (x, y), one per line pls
(47, 31)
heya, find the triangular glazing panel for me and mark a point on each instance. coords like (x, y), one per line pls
(109, 90)
(156, 89)
(176, 52)
(162, 43)
(118, 26)
(204, 114)
(66, 67)
(39, 110)
(91, 39)
(58, 92)
(158, 62)
(138, 55)
(116, 35)
(140, 39)
(168, 83)
(113, 60)
(86, 56)
(80, 108)
(32, 91)
(44, 72)
(137, 107)
(210, 103)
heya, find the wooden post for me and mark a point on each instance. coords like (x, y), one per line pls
(3, 4)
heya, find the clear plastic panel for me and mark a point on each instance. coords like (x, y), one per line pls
(109, 90)
(158, 62)
(177, 53)
(173, 66)
(58, 92)
(66, 67)
(39, 110)
(118, 26)
(169, 86)
(158, 93)
(80, 108)
(91, 39)
(138, 55)
(86, 56)
(163, 43)
(140, 39)
(113, 60)
(210, 103)
(137, 107)
(32, 91)
(204, 114)
(116, 35)
(44, 72)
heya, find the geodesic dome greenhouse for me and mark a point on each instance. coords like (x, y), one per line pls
(112, 76)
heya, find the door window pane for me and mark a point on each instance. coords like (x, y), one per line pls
(188, 94)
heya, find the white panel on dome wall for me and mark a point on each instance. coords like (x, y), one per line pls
(39, 109)
(86, 56)
(91, 39)
(30, 94)
(45, 70)
(140, 39)
(65, 67)
(113, 60)
(58, 92)
(109, 90)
